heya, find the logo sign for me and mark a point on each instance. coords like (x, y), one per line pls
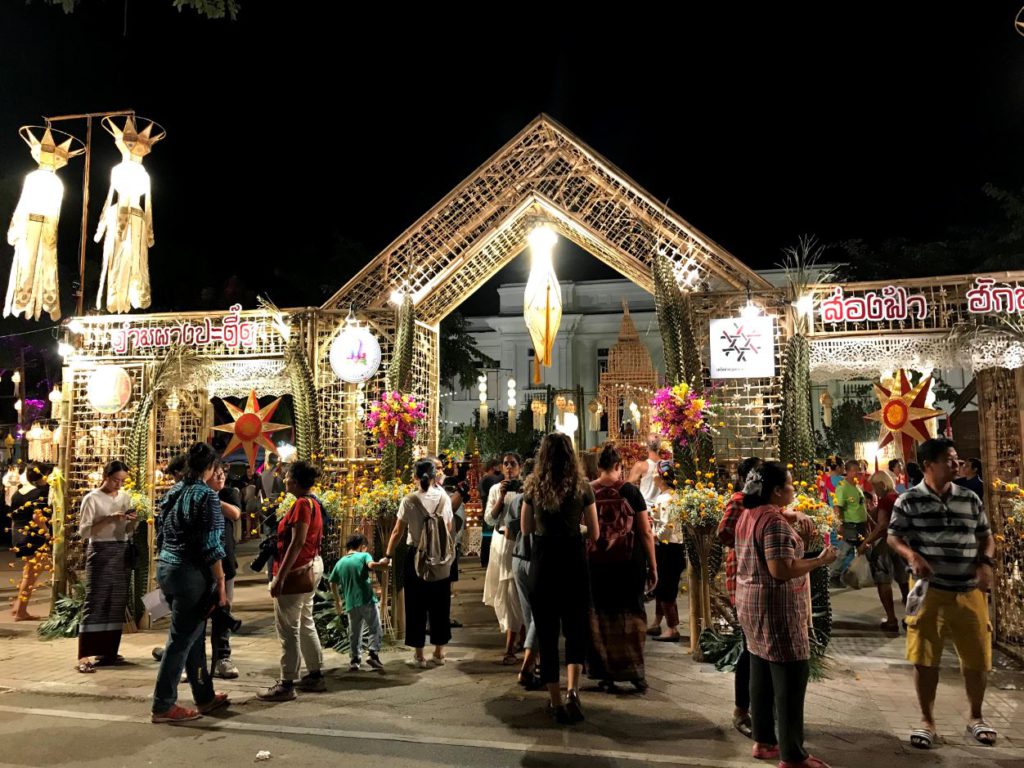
(742, 348)
(231, 331)
(109, 389)
(355, 355)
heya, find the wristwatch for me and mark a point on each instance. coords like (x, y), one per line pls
(986, 560)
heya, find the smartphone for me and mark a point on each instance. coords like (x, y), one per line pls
(827, 536)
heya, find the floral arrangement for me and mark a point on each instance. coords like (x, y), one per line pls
(809, 503)
(1014, 521)
(394, 419)
(380, 499)
(696, 505)
(139, 496)
(680, 413)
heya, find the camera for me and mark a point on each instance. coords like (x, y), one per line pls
(234, 624)
(268, 548)
(514, 486)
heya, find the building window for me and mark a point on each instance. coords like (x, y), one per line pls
(602, 360)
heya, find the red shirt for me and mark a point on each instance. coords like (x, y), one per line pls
(727, 535)
(304, 510)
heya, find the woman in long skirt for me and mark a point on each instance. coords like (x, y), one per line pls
(617, 578)
(106, 521)
(500, 590)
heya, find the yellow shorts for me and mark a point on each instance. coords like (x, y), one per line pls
(963, 616)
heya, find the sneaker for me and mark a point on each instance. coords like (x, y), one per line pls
(417, 663)
(225, 669)
(312, 683)
(355, 666)
(220, 700)
(277, 692)
(375, 662)
(440, 661)
(175, 714)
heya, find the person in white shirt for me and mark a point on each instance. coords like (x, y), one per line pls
(106, 521)
(499, 583)
(423, 598)
(642, 473)
(670, 555)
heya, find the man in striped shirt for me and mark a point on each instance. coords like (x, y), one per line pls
(941, 530)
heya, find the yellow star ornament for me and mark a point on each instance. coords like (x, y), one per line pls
(903, 414)
(250, 426)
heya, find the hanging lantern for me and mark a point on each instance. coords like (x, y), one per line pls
(825, 399)
(482, 387)
(594, 411)
(109, 389)
(46, 447)
(56, 440)
(511, 403)
(35, 437)
(34, 287)
(126, 223)
(542, 302)
(540, 411)
(172, 423)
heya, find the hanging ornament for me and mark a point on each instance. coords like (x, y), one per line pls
(542, 302)
(825, 399)
(511, 403)
(172, 422)
(540, 410)
(35, 437)
(482, 387)
(126, 223)
(594, 411)
(250, 427)
(903, 414)
(34, 287)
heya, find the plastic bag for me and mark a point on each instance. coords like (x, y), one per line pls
(858, 575)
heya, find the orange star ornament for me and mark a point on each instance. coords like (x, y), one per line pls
(250, 427)
(903, 414)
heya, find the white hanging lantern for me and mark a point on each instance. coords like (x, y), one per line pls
(482, 387)
(109, 389)
(511, 402)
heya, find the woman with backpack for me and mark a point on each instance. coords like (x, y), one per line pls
(499, 583)
(622, 567)
(557, 503)
(297, 571)
(425, 519)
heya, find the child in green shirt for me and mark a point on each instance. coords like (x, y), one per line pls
(352, 574)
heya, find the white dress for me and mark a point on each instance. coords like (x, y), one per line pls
(500, 590)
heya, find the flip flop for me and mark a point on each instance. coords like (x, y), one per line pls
(742, 724)
(509, 659)
(922, 738)
(979, 729)
(85, 667)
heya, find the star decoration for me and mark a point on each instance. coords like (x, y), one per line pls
(903, 414)
(250, 427)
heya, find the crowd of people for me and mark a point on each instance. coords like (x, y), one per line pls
(578, 548)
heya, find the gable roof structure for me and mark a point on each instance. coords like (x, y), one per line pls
(474, 231)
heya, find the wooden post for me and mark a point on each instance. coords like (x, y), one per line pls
(695, 602)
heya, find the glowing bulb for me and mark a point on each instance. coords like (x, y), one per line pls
(482, 386)
(55, 394)
(750, 310)
(805, 304)
(76, 326)
(16, 377)
(511, 383)
(511, 402)
(542, 239)
(483, 397)
(396, 297)
(64, 349)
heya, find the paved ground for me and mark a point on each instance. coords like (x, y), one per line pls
(471, 712)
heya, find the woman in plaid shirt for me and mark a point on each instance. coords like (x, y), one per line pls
(773, 608)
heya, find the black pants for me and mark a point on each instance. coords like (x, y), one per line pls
(560, 599)
(423, 599)
(777, 692)
(743, 681)
(485, 550)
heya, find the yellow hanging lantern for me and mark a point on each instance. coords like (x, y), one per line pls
(542, 302)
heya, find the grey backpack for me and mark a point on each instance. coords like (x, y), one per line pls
(435, 550)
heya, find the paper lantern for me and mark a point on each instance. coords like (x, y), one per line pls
(542, 301)
(109, 389)
(355, 354)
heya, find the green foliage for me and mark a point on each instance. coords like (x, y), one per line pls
(65, 617)
(331, 626)
(454, 442)
(138, 573)
(668, 300)
(461, 359)
(211, 9)
(399, 377)
(796, 436)
(848, 427)
(496, 439)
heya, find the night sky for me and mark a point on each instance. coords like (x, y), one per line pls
(302, 140)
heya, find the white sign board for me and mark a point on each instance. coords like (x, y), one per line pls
(743, 348)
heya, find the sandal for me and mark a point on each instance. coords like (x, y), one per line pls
(85, 667)
(107, 661)
(982, 732)
(509, 659)
(742, 724)
(923, 738)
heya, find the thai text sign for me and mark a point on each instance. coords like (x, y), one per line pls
(742, 348)
(231, 331)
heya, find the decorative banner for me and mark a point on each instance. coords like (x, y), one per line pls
(892, 304)
(903, 414)
(742, 348)
(250, 426)
(109, 389)
(232, 332)
(988, 296)
(355, 355)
